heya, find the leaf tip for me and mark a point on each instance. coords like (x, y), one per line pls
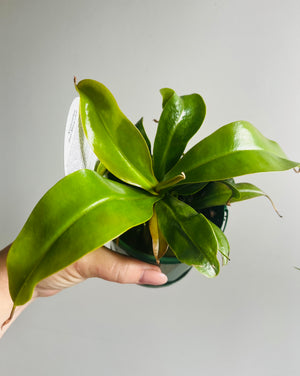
(7, 321)
(75, 83)
(273, 205)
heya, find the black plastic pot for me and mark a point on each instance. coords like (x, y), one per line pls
(136, 243)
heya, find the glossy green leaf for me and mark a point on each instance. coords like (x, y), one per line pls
(114, 139)
(180, 120)
(232, 185)
(235, 149)
(193, 238)
(221, 193)
(189, 189)
(223, 244)
(214, 194)
(248, 191)
(80, 213)
(140, 127)
(166, 94)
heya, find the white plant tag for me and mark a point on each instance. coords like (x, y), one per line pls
(77, 151)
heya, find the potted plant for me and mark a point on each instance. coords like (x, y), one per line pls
(164, 192)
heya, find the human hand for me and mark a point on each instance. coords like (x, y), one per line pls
(100, 263)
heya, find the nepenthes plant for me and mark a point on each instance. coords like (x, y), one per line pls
(164, 187)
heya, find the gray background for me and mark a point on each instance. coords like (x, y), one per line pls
(244, 58)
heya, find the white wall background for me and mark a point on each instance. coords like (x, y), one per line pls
(244, 58)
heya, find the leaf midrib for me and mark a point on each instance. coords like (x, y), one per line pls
(54, 239)
(188, 236)
(226, 155)
(169, 141)
(138, 173)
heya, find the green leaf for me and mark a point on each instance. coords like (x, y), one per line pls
(221, 193)
(223, 244)
(140, 127)
(189, 189)
(234, 191)
(180, 120)
(80, 213)
(193, 238)
(214, 194)
(248, 191)
(235, 149)
(166, 94)
(114, 139)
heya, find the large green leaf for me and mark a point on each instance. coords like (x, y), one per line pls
(193, 238)
(77, 215)
(115, 140)
(235, 149)
(180, 120)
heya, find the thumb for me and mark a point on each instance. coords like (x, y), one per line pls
(106, 264)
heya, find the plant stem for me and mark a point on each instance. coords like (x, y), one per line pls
(169, 183)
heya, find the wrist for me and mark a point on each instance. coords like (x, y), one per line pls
(6, 303)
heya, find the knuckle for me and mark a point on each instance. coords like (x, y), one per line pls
(121, 273)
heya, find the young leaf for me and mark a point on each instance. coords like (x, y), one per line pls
(190, 235)
(114, 139)
(235, 149)
(140, 127)
(180, 120)
(80, 213)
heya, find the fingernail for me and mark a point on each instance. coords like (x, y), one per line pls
(152, 277)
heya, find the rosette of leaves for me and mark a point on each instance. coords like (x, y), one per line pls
(87, 209)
